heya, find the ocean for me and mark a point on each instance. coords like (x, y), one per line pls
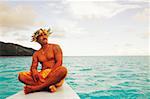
(92, 77)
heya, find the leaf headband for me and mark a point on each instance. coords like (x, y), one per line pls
(38, 32)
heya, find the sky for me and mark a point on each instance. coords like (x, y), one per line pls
(80, 27)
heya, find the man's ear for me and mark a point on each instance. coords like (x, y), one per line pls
(37, 39)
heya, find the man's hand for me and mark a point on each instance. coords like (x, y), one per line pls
(35, 75)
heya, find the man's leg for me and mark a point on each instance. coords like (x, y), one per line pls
(57, 76)
(26, 78)
(53, 78)
(53, 88)
(60, 83)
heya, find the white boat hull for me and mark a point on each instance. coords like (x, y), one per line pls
(64, 92)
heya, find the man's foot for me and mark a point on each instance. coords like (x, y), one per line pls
(52, 88)
(29, 89)
(60, 83)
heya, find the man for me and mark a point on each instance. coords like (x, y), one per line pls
(52, 73)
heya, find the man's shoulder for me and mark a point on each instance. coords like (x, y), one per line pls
(36, 53)
(54, 45)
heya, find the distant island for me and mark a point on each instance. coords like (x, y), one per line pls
(10, 49)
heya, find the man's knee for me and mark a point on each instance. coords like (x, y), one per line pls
(20, 77)
(63, 70)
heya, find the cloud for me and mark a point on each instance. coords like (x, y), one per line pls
(16, 17)
(58, 32)
(15, 22)
(73, 25)
(145, 35)
(70, 30)
(138, 0)
(112, 0)
(142, 16)
(92, 10)
(128, 45)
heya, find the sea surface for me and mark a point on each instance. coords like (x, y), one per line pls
(96, 77)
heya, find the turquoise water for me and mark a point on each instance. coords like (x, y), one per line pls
(101, 77)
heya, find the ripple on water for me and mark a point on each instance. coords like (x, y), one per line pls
(86, 69)
(91, 77)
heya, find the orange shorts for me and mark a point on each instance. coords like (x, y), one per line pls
(43, 74)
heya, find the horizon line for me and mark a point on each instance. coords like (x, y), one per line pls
(84, 56)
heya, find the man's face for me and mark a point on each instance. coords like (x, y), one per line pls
(42, 38)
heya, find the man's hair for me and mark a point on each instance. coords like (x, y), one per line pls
(38, 32)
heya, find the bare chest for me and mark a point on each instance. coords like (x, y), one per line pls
(47, 55)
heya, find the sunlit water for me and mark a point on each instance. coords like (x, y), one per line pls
(110, 77)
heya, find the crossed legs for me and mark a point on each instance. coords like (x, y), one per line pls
(53, 80)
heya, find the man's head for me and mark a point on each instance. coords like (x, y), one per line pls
(41, 36)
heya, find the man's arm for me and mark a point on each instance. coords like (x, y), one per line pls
(58, 56)
(58, 59)
(34, 66)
